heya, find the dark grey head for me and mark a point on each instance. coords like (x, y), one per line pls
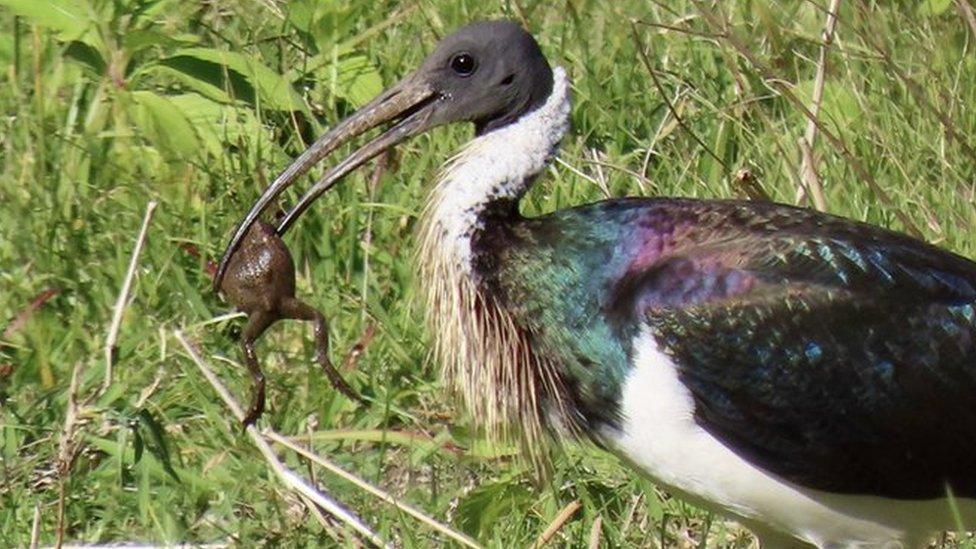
(490, 73)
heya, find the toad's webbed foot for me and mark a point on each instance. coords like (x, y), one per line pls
(297, 309)
(257, 323)
(256, 408)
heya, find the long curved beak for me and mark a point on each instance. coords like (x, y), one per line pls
(408, 103)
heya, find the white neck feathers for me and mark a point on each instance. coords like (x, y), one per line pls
(499, 164)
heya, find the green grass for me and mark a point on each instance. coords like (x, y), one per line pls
(127, 101)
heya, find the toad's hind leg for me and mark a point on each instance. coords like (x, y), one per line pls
(298, 310)
(257, 323)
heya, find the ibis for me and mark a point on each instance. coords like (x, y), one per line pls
(810, 376)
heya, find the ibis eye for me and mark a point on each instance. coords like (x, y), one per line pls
(463, 64)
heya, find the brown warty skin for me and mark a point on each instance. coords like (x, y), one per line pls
(260, 281)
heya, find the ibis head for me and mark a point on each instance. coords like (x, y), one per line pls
(487, 73)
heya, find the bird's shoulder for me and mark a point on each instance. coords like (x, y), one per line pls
(677, 252)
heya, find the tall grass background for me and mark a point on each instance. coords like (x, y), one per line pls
(106, 105)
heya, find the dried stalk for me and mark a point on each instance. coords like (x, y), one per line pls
(601, 178)
(21, 318)
(576, 171)
(357, 350)
(386, 497)
(67, 446)
(809, 177)
(36, 527)
(372, 185)
(642, 181)
(564, 515)
(917, 92)
(113, 330)
(808, 169)
(595, 530)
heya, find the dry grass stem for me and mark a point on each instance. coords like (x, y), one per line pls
(357, 350)
(809, 178)
(665, 28)
(68, 446)
(274, 8)
(601, 178)
(150, 389)
(631, 511)
(138, 545)
(595, 530)
(808, 168)
(372, 186)
(113, 329)
(642, 181)
(36, 527)
(664, 128)
(382, 495)
(562, 517)
(327, 526)
(575, 170)
(22, 316)
(287, 476)
(216, 320)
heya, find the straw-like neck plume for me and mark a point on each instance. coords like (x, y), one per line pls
(485, 355)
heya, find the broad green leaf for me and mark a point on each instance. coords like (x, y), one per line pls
(933, 8)
(207, 79)
(359, 81)
(216, 67)
(479, 510)
(88, 56)
(302, 14)
(146, 9)
(156, 442)
(70, 17)
(325, 22)
(353, 78)
(164, 125)
(137, 40)
(137, 445)
(125, 454)
(217, 124)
